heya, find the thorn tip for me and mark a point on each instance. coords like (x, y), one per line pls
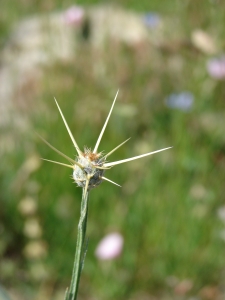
(104, 126)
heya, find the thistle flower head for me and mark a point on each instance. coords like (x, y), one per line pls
(92, 167)
(89, 166)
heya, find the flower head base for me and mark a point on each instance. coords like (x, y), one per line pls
(92, 164)
(89, 167)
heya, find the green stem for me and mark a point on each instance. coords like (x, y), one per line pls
(71, 294)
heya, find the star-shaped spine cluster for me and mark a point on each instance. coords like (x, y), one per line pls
(89, 166)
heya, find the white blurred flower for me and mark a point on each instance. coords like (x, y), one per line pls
(32, 228)
(221, 213)
(204, 41)
(35, 249)
(110, 246)
(27, 206)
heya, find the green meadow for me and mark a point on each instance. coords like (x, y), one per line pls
(170, 208)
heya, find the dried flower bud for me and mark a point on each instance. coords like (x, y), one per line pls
(90, 162)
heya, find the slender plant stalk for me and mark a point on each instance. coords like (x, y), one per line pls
(88, 171)
(71, 294)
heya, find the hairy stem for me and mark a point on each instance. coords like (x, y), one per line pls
(71, 294)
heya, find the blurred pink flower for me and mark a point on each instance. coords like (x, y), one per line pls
(110, 246)
(74, 15)
(216, 67)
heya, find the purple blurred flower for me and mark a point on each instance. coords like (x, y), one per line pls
(151, 20)
(110, 246)
(74, 15)
(182, 101)
(216, 67)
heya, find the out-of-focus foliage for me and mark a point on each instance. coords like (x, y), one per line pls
(170, 209)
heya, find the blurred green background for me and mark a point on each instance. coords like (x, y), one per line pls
(170, 209)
